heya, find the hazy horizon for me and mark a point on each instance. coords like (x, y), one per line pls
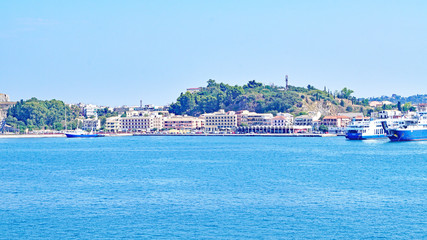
(118, 53)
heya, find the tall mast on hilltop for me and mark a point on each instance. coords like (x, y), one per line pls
(286, 78)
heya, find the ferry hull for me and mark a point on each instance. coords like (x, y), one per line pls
(360, 136)
(408, 135)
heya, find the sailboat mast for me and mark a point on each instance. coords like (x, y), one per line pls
(65, 109)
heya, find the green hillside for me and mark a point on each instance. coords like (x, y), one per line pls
(255, 96)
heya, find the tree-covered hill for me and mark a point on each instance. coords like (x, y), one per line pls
(414, 99)
(255, 96)
(38, 114)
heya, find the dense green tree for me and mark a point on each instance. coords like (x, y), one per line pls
(106, 112)
(38, 114)
(323, 128)
(252, 84)
(399, 106)
(346, 93)
(387, 107)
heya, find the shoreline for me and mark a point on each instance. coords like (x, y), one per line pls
(174, 135)
(245, 135)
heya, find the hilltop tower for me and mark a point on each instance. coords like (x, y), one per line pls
(286, 78)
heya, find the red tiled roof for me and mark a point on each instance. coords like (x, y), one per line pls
(280, 117)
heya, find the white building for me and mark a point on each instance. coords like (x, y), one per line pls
(134, 113)
(89, 110)
(307, 120)
(91, 124)
(389, 114)
(5, 104)
(4, 97)
(284, 119)
(246, 118)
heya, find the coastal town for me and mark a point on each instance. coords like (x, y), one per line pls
(150, 119)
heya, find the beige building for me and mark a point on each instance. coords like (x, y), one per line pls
(220, 120)
(336, 121)
(184, 123)
(113, 124)
(246, 118)
(138, 124)
(379, 103)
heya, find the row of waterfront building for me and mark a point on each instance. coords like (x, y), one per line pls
(150, 118)
(229, 121)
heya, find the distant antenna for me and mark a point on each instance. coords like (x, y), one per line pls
(286, 78)
(65, 110)
(140, 103)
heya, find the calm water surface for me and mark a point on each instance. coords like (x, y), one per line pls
(212, 187)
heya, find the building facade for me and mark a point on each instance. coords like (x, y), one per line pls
(90, 110)
(113, 124)
(336, 121)
(246, 118)
(303, 120)
(91, 124)
(385, 114)
(220, 121)
(285, 119)
(184, 123)
(5, 104)
(422, 107)
(307, 120)
(140, 123)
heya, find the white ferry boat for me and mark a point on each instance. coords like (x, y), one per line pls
(413, 129)
(366, 130)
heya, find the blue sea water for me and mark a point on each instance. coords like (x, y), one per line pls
(212, 188)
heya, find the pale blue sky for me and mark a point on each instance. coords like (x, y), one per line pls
(118, 52)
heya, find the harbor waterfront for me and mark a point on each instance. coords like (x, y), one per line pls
(174, 135)
(157, 187)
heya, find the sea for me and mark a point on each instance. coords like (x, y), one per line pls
(212, 187)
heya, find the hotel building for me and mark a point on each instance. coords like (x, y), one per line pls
(220, 120)
(183, 123)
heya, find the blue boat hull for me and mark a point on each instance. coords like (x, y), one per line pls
(408, 135)
(70, 135)
(360, 136)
